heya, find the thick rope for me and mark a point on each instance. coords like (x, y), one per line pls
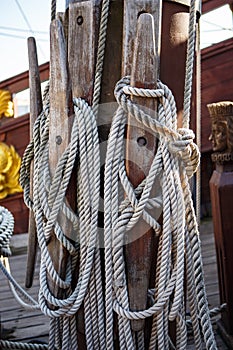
(198, 123)
(53, 9)
(49, 202)
(176, 160)
(194, 7)
(100, 55)
(18, 292)
(6, 231)
(6, 344)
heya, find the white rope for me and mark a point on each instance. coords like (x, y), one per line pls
(6, 344)
(198, 123)
(23, 298)
(179, 221)
(49, 201)
(176, 160)
(18, 292)
(194, 7)
(179, 257)
(6, 232)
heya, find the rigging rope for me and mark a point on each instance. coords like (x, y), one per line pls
(179, 256)
(6, 231)
(176, 160)
(49, 200)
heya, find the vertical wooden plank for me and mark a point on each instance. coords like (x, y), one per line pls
(35, 110)
(113, 51)
(59, 95)
(59, 132)
(141, 146)
(81, 44)
(175, 35)
(132, 10)
(82, 36)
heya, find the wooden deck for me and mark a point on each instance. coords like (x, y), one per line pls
(20, 325)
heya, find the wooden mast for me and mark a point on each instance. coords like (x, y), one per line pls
(141, 145)
(73, 52)
(59, 133)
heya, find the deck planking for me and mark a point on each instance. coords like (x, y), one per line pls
(19, 324)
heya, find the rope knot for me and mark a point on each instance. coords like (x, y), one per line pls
(140, 92)
(187, 149)
(184, 138)
(178, 141)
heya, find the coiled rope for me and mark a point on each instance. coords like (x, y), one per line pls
(176, 160)
(25, 300)
(179, 254)
(49, 201)
(6, 231)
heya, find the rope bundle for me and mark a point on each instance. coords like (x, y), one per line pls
(179, 256)
(49, 203)
(49, 206)
(6, 231)
(23, 298)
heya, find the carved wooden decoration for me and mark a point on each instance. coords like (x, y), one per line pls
(221, 190)
(221, 114)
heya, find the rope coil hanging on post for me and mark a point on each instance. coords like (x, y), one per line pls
(176, 160)
(49, 200)
(179, 254)
(179, 258)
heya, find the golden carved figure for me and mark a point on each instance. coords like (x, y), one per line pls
(10, 163)
(6, 105)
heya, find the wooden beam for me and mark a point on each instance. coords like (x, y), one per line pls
(141, 146)
(35, 109)
(59, 134)
(209, 5)
(20, 82)
(132, 10)
(81, 52)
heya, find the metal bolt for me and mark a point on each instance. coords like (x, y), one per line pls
(80, 20)
(142, 141)
(58, 139)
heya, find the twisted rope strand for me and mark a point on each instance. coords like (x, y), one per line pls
(170, 268)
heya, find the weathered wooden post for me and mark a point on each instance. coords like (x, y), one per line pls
(140, 149)
(35, 110)
(174, 38)
(146, 57)
(72, 69)
(221, 190)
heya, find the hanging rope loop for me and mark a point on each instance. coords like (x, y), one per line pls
(179, 141)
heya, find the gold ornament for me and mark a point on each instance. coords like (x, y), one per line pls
(10, 163)
(6, 105)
